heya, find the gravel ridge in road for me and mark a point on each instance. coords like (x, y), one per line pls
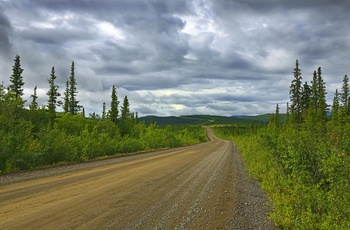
(195, 187)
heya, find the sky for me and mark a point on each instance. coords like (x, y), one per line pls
(176, 57)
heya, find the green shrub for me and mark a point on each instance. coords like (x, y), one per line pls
(305, 174)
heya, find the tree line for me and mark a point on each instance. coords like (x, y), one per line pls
(39, 135)
(304, 162)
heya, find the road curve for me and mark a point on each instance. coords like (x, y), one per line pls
(197, 187)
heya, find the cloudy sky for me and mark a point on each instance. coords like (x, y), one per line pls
(176, 57)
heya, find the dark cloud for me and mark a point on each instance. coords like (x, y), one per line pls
(5, 29)
(178, 57)
(54, 36)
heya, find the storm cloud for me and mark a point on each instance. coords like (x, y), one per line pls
(220, 57)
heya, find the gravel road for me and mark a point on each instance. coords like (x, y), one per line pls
(196, 187)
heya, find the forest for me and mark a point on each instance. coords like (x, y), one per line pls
(303, 163)
(33, 135)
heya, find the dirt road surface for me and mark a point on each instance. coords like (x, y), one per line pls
(196, 187)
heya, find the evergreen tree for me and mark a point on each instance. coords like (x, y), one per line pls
(345, 95)
(125, 109)
(314, 96)
(73, 103)
(125, 118)
(305, 100)
(321, 103)
(16, 78)
(66, 98)
(34, 104)
(335, 107)
(17, 81)
(104, 111)
(53, 95)
(295, 94)
(114, 112)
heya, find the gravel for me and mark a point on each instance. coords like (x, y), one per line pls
(210, 190)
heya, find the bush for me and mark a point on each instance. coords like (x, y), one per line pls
(129, 144)
(306, 176)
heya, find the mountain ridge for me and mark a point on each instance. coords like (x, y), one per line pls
(207, 119)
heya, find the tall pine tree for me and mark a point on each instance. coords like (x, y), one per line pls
(53, 94)
(314, 97)
(125, 117)
(321, 103)
(305, 100)
(73, 103)
(114, 112)
(66, 98)
(104, 111)
(345, 95)
(296, 94)
(335, 107)
(17, 81)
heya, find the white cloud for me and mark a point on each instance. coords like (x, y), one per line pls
(108, 30)
(176, 57)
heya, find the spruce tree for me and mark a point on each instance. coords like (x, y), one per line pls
(53, 94)
(17, 81)
(345, 95)
(335, 107)
(305, 100)
(295, 94)
(66, 98)
(34, 104)
(314, 96)
(104, 111)
(125, 119)
(16, 78)
(321, 103)
(114, 113)
(73, 103)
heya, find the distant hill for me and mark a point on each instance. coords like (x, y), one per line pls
(208, 119)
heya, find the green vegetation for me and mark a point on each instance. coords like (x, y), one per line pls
(209, 119)
(304, 163)
(40, 136)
